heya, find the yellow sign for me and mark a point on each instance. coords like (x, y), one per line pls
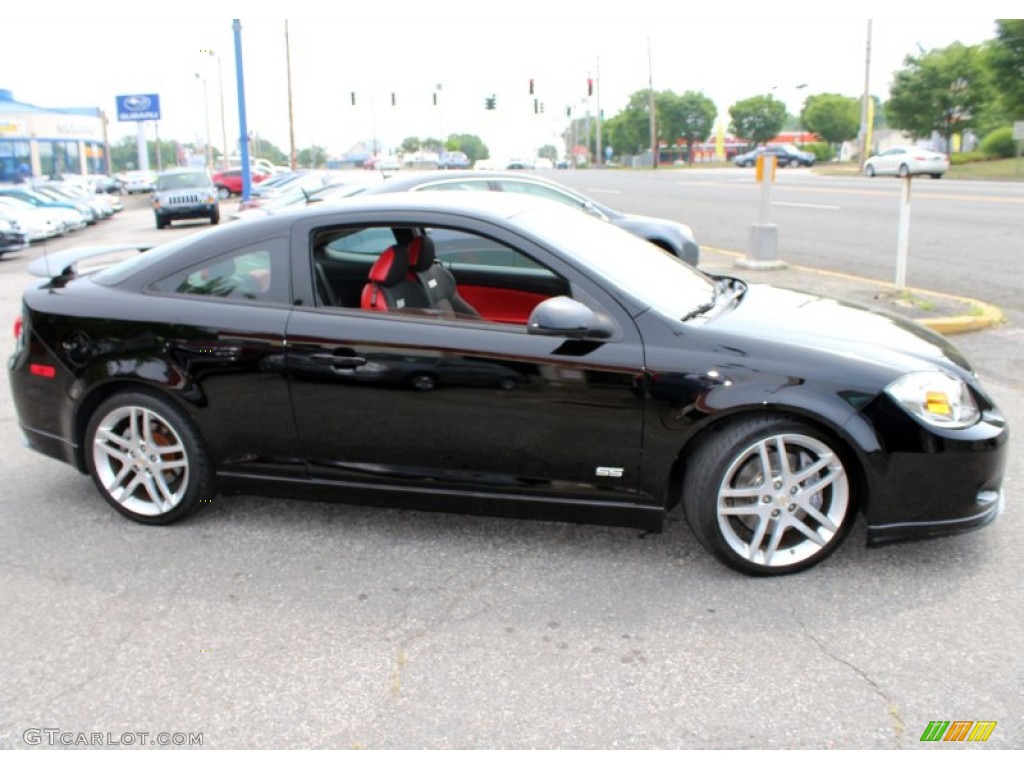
(763, 160)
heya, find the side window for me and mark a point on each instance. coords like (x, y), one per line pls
(459, 185)
(257, 272)
(539, 190)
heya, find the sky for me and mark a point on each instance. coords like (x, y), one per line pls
(459, 50)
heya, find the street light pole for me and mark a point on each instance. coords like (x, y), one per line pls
(206, 109)
(223, 124)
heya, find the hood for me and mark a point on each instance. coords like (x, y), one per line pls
(793, 318)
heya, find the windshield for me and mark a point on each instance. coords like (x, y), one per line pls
(182, 181)
(649, 274)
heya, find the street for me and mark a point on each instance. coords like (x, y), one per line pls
(266, 623)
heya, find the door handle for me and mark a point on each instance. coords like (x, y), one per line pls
(338, 361)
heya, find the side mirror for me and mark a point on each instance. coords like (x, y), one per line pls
(562, 316)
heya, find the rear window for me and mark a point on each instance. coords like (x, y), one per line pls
(122, 270)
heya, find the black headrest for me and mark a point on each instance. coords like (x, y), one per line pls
(422, 253)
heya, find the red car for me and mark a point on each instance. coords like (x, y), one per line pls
(229, 182)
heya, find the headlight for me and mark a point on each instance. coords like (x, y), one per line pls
(936, 398)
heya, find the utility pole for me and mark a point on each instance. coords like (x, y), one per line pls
(292, 157)
(597, 93)
(650, 108)
(864, 128)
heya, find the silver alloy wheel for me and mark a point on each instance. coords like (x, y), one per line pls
(783, 499)
(140, 460)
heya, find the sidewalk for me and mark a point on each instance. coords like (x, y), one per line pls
(941, 312)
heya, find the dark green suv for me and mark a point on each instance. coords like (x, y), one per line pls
(185, 193)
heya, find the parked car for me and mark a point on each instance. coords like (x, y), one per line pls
(229, 182)
(106, 184)
(65, 211)
(137, 181)
(787, 154)
(12, 238)
(35, 223)
(218, 364)
(458, 161)
(185, 193)
(672, 236)
(907, 161)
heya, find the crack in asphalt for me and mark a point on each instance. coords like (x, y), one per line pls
(898, 726)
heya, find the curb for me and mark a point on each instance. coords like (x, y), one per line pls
(984, 316)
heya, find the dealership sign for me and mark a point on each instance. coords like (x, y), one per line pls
(138, 106)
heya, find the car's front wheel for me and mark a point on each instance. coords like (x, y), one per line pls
(904, 171)
(769, 495)
(794, 163)
(223, 193)
(147, 458)
(215, 216)
(161, 222)
(869, 170)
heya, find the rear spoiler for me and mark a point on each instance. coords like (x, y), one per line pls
(62, 263)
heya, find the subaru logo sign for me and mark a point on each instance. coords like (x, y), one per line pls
(138, 106)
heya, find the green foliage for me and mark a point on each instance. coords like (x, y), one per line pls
(1006, 62)
(999, 143)
(312, 157)
(411, 144)
(548, 151)
(943, 90)
(689, 117)
(962, 158)
(629, 131)
(757, 119)
(823, 151)
(835, 118)
(469, 143)
(260, 147)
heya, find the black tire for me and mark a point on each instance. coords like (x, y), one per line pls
(794, 163)
(215, 217)
(936, 175)
(223, 193)
(795, 521)
(904, 171)
(869, 170)
(147, 458)
(161, 222)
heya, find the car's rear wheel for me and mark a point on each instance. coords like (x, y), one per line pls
(147, 458)
(794, 163)
(768, 495)
(904, 171)
(423, 382)
(223, 193)
(869, 170)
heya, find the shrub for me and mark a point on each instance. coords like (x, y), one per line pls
(822, 151)
(999, 143)
(962, 158)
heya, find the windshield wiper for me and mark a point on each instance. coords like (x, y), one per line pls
(706, 307)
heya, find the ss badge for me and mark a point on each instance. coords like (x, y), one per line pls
(609, 472)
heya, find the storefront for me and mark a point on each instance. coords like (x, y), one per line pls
(41, 142)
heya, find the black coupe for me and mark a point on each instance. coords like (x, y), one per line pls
(496, 354)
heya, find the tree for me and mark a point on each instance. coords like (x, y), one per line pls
(835, 118)
(469, 143)
(941, 91)
(411, 144)
(312, 157)
(628, 131)
(758, 118)
(548, 151)
(689, 117)
(1006, 61)
(260, 147)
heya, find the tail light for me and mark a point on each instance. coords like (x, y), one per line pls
(18, 325)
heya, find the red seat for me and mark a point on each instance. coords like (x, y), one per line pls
(390, 285)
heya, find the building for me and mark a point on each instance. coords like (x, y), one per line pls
(40, 142)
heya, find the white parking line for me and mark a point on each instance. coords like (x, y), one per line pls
(809, 205)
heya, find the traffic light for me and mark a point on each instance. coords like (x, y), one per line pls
(590, 86)
(535, 107)
(568, 111)
(435, 98)
(392, 98)
(531, 86)
(491, 102)
(542, 107)
(353, 95)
